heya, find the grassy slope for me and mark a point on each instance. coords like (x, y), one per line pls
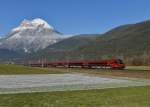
(128, 40)
(117, 97)
(17, 69)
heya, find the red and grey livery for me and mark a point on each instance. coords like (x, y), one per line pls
(112, 64)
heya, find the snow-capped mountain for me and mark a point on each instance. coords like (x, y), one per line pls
(31, 36)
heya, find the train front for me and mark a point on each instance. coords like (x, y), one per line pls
(117, 64)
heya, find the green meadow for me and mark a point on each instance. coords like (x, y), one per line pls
(19, 69)
(115, 97)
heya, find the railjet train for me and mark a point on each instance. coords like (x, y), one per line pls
(111, 64)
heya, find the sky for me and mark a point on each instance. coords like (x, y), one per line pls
(74, 16)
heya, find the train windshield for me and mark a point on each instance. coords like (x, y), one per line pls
(120, 61)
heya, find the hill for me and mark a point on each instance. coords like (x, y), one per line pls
(129, 42)
(6, 55)
(61, 50)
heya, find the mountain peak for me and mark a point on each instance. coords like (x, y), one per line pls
(39, 21)
(31, 36)
(33, 24)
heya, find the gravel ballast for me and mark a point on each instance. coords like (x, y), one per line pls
(61, 82)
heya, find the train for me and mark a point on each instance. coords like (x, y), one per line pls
(102, 64)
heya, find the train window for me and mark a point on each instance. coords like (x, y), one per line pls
(120, 61)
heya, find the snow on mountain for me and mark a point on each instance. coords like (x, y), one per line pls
(27, 24)
(31, 36)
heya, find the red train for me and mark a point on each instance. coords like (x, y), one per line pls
(112, 64)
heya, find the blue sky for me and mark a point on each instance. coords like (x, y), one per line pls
(74, 16)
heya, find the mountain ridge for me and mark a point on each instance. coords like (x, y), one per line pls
(129, 42)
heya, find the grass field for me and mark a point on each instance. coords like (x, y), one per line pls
(18, 69)
(115, 97)
(138, 67)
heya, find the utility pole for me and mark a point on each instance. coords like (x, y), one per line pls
(42, 63)
(67, 59)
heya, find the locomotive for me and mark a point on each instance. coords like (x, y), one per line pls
(111, 64)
